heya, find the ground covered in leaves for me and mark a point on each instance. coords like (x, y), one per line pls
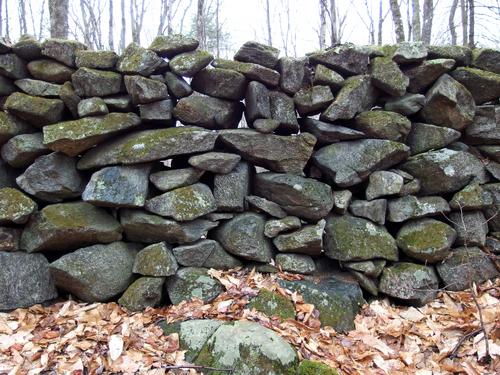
(443, 337)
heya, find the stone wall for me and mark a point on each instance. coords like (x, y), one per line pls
(128, 177)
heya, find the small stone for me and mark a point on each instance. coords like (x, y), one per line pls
(367, 283)
(345, 59)
(297, 263)
(272, 304)
(11, 66)
(230, 189)
(383, 125)
(410, 52)
(175, 178)
(34, 110)
(472, 197)
(341, 201)
(144, 90)
(283, 110)
(266, 206)
(257, 102)
(291, 74)
(192, 282)
(50, 71)
(253, 72)
(216, 162)
(327, 133)
(386, 75)
(471, 227)
(220, 83)
(312, 100)
(383, 183)
(95, 59)
(373, 210)
(371, 268)
(177, 86)
(189, 63)
(265, 126)
(411, 207)
(15, 207)
(483, 85)
(38, 88)
(486, 59)
(407, 105)
(425, 74)
(492, 243)
(155, 260)
(9, 238)
(276, 226)
(92, 107)
(426, 137)
(92, 82)
(491, 152)
(174, 44)
(138, 60)
(253, 52)
(62, 50)
(160, 111)
(142, 293)
(327, 77)
(306, 240)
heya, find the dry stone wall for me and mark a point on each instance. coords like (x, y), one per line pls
(128, 177)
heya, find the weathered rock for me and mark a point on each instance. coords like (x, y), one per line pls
(62, 50)
(311, 101)
(220, 259)
(95, 273)
(492, 243)
(303, 197)
(413, 283)
(349, 163)
(138, 60)
(175, 178)
(243, 236)
(140, 226)
(220, 83)
(266, 126)
(383, 124)
(471, 227)
(367, 283)
(7, 175)
(345, 59)
(177, 86)
(411, 207)
(216, 162)
(382, 183)
(283, 110)
(253, 52)
(341, 201)
(142, 293)
(9, 239)
(185, 203)
(371, 268)
(274, 152)
(11, 66)
(36, 87)
(174, 44)
(465, 266)
(297, 263)
(230, 189)
(445, 170)
(195, 254)
(327, 77)
(291, 74)
(92, 107)
(326, 133)
(95, 59)
(149, 145)
(448, 104)
(52, 178)
(11, 126)
(349, 238)
(50, 71)
(338, 301)
(15, 207)
(492, 152)
(266, 206)
(410, 52)
(208, 112)
(251, 71)
(425, 74)
(257, 102)
(308, 366)
(426, 240)
(407, 105)
(386, 75)
(155, 260)
(92, 82)
(25, 280)
(486, 59)
(426, 137)
(160, 111)
(486, 126)
(273, 304)
(373, 210)
(34, 110)
(192, 282)
(472, 197)
(306, 240)
(187, 64)
(67, 226)
(483, 85)
(144, 90)
(68, 95)
(276, 226)
(27, 47)
(5, 45)
(462, 55)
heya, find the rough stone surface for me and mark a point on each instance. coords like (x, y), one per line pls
(326, 133)
(276, 226)
(386, 75)
(257, 102)
(297, 263)
(410, 52)
(327, 77)
(306, 240)
(292, 74)
(95, 59)
(92, 82)
(144, 90)
(11, 66)
(273, 304)
(373, 210)
(36, 87)
(407, 105)
(264, 205)
(174, 44)
(283, 110)
(471, 227)
(11, 126)
(9, 239)
(62, 50)
(486, 126)
(383, 124)
(177, 86)
(484, 86)
(412, 207)
(15, 207)
(472, 197)
(50, 71)
(426, 137)
(220, 83)
(35, 110)
(189, 63)
(92, 107)
(313, 100)
(216, 162)
(343, 59)
(253, 72)
(155, 260)
(383, 183)
(253, 52)
(142, 293)
(425, 74)
(175, 178)
(230, 189)
(138, 60)
(192, 282)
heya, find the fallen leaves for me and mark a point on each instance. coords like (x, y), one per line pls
(75, 338)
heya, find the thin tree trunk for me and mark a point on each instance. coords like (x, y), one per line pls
(200, 24)
(451, 22)
(322, 24)
(427, 21)
(217, 29)
(22, 17)
(472, 22)
(186, 8)
(268, 20)
(42, 14)
(409, 21)
(123, 26)
(398, 21)
(380, 23)
(58, 10)
(163, 16)
(7, 28)
(465, 22)
(1, 18)
(334, 36)
(111, 39)
(417, 36)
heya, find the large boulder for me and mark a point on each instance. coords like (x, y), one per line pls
(192, 282)
(95, 59)
(349, 238)
(67, 226)
(292, 74)
(62, 50)
(25, 280)
(173, 44)
(346, 59)
(50, 71)
(257, 53)
(483, 85)
(486, 59)
(15, 207)
(386, 75)
(220, 83)
(35, 110)
(422, 76)
(349, 163)
(96, 273)
(303, 197)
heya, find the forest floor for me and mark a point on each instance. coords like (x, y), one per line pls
(445, 336)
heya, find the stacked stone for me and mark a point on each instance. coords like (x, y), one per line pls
(135, 174)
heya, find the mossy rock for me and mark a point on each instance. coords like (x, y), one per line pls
(472, 197)
(387, 76)
(189, 63)
(35, 110)
(156, 260)
(193, 282)
(383, 124)
(15, 207)
(308, 367)
(11, 126)
(174, 44)
(96, 59)
(138, 60)
(142, 293)
(482, 84)
(273, 304)
(50, 71)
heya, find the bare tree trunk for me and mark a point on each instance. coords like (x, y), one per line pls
(123, 26)
(465, 22)
(58, 10)
(322, 24)
(165, 5)
(334, 35)
(380, 22)
(417, 36)
(268, 21)
(42, 22)
(111, 39)
(22, 17)
(1, 18)
(217, 29)
(136, 19)
(200, 24)
(451, 22)
(427, 21)
(7, 28)
(398, 21)
(472, 23)
(186, 8)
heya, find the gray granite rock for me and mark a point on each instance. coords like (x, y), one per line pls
(50, 71)
(306, 240)
(10, 126)
(412, 207)
(177, 86)
(407, 105)
(252, 71)
(283, 110)
(35, 110)
(230, 189)
(471, 197)
(158, 112)
(173, 44)
(483, 85)
(341, 201)
(410, 52)
(62, 50)
(383, 183)
(373, 210)
(9, 238)
(155, 260)
(144, 90)
(471, 227)
(142, 293)
(276, 226)
(175, 178)
(15, 206)
(388, 77)
(12, 66)
(383, 125)
(326, 133)
(264, 205)
(257, 53)
(93, 82)
(36, 87)
(187, 64)
(92, 107)
(296, 263)
(95, 59)
(327, 77)
(345, 59)
(138, 60)
(257, 102)
(216, 162)
(485, 129)
(192, 282)
(312, 100)
(220, 83)
(291, 74)
(426, 137)
(425, 74)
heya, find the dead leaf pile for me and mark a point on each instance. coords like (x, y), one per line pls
(442, 337)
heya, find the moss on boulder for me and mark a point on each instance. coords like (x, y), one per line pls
(273, 304)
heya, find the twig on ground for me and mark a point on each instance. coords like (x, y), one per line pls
(487, 356)
(453, 353)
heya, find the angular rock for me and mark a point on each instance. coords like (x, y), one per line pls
(411, 207)
(35, 87)
(11, 126)
(66, 226)
(15, 207)
(11, 66)
(326, 133)
(407, 105)
(138, 60)
(373, 210)
(175, 178)
(349, 163)
(371, 268)
(187, 64)
(410, 52)
(386, 75)
(95, 273)
(367, 283)
(471, 197)
(296, 263)
(155, 260)
(92, 82)
(345, 59)
(52, 178)
(9, 239)
(144, 90)
(471, 227)
(382, 183)
(220, 83)
(492, 152)
(426, 137)
(291, 74)
(413, 283)
(349, 238)
(483, 85)
(142, 293)
(95, 59)
(27, 47)
(383, 124)
(266, 206)
(253, 52)
(25, 280)
(62, 50)
(486, 59)
(462, 55)
(449, 104)
(253, 72)
(192, 282)
(257, 102)
(177, 86)
(160, 111)
(327, 77)
(208, 112)
(341, 201)
(486, 126)
(230, 189)
(426, 240)
(34, 110)
(220, 259)
(195, 254)
(306, 198)
(50, 71)
(465, 266)
(313, 100)
(272, 304)
(216, 162)
(149, 145)
(283, 111)
(445, 170)
(266, 126)
(276, 226)
(243, 236)
(306, 240)
(425, 74)
(92, 107)
(68, 95)
(174, 44)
